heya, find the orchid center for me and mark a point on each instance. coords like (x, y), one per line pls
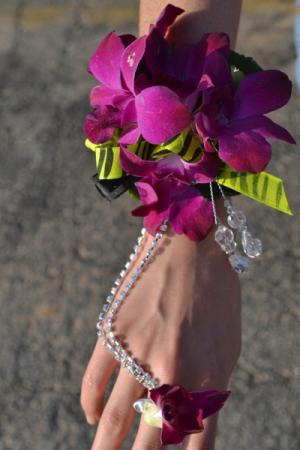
(131, 58)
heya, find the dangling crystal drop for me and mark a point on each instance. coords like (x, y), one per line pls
(239, 263)
(236, 220)
(251, 246)
(225, 238)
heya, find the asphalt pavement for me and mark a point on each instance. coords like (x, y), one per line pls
(61, 245)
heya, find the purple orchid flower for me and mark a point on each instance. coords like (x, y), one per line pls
(165, 91)
(179, 75)
(167, 192)
(183, 412)
(237, 121)
(115, 64)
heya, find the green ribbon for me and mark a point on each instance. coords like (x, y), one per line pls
(262, 187)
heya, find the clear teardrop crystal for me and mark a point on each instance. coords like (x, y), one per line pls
(225, 238)
(140, 404)
(251, 246)
(239, 263)
(236, 220)
(223, 234)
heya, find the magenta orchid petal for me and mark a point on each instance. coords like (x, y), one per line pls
(264, 126)
(130, 135)
(134, 165)
(216, 71)
(170, 166)
(100, 125)
(168, 17)
(191, 214)
(210, 402)
(103, 95)
(161, 115)
(183, 412)
(127, 39)
(104, 64)
(129, 114)
(216, 42)
(159, 212)
(245, 152)
(261, 93)
(171, 436)
(131, 58)
(205, 170)
(158, 393)
(148, 197)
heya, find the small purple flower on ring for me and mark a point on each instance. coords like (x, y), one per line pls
(178, 412)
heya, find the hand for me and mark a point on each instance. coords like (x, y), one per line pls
(183, 320)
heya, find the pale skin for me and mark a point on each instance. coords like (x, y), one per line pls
(183, 318)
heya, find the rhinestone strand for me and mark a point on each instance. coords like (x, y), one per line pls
(114, 301)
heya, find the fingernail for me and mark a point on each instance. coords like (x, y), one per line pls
(91, 420)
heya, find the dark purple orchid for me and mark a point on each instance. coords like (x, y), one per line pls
(115, 64)
(149, 79)
(183, 412)
(167, 192)
(236, 120)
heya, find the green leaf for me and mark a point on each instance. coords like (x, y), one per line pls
(263, 187)
(243, 63)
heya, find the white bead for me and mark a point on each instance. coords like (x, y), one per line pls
(239, 263)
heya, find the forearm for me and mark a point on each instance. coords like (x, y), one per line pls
(201, 16)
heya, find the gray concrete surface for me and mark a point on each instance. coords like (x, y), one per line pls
(61, 246)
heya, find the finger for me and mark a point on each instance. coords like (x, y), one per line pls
(95, 380)
(118, 413)
(147, 438)
(204, 440)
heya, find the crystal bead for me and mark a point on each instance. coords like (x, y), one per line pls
(127, 265)
(252, 246)
(99, 325)
(122, 295)
(116, 355)
(239, 263)
(105, 307)
(143, 231)
(111, 336)
(227, 204)
(113, 291)
(163, 227)
(118, 281)
(139, 405)
(229, 247)
(224, 236)
(99, 333)
(236, 220)
(101, 316)
(123, 273)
